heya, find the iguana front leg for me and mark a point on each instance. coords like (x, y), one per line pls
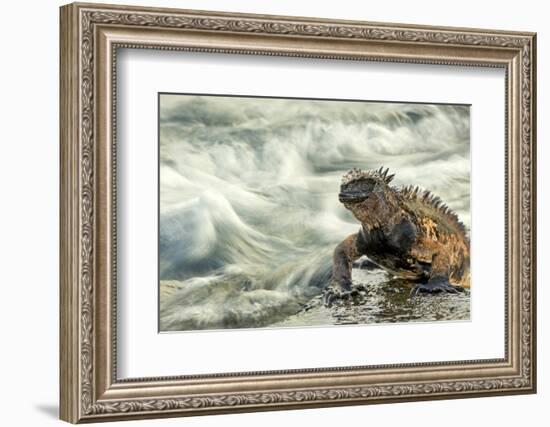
(342, 259)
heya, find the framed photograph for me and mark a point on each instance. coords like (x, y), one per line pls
(267, 212)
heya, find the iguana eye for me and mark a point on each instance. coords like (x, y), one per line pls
(367, 186)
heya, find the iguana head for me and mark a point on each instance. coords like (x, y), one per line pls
(368, 195)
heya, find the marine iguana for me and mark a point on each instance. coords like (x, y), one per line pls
(408, 232)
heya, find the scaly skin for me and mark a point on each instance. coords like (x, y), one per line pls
(407, 232)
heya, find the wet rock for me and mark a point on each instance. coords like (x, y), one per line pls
(382, 299)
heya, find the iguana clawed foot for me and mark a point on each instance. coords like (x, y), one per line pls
(436, 285)
(344, 292)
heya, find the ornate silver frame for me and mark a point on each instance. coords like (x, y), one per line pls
(90, 36)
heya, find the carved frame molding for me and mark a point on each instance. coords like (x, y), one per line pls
(90, 37)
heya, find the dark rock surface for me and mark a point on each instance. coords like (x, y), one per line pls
(382, 299)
